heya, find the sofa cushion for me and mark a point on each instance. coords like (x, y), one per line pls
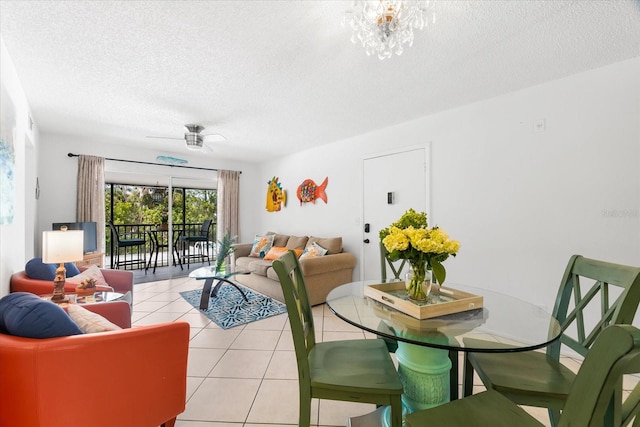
(36, 269)
(27, 315)
(243, 263)
(271, 274)
(297, 242)
(88, 321)
(333, 244)
(259, 267)
(280, 240)
(261, 245)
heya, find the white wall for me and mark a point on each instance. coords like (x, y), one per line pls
(16, 237)
(520, 202)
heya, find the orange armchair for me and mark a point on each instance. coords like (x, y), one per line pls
(135, 377)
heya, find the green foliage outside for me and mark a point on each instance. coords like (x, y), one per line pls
(136, 205)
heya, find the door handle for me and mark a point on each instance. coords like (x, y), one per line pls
(366, 240)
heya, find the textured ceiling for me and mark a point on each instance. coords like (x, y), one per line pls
(280, 76)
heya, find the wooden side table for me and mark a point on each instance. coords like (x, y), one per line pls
(94, 258)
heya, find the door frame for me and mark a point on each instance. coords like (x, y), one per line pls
(427, 174)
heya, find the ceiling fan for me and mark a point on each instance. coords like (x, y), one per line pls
(195, 139)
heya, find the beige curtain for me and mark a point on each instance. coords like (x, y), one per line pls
(90, 205)
(228, 203)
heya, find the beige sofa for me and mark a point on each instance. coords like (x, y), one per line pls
(321, 274)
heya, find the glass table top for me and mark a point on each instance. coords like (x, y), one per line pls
(210, 272)
(503, 324)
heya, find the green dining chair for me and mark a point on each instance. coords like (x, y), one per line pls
(396, 269)
(395, 266)
(595, 398)
(534, 378)
(352, 370)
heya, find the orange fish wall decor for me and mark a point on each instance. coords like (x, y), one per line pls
(276, 196)
(308, 191)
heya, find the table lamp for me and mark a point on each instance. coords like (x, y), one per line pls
(60, 247)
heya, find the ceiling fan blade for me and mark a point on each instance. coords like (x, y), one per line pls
(206, 148)
(214, 137)
(165, 137)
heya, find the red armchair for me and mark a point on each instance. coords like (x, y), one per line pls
(135, 377)
(120, 280)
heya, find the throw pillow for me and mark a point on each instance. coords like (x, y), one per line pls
(276, 252)
(27, 315)
(261, 245)
(93, 272)
(88, 321)
(36, 269)
(313, 250)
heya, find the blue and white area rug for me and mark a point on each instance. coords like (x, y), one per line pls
(229, 309)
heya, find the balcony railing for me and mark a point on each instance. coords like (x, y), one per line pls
(143, 252)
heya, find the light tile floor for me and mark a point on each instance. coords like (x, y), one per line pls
(246, 376)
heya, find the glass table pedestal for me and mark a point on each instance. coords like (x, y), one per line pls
(424, 373)
(209, 275)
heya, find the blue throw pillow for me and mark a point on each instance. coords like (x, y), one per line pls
(27, 315)
(36, 269)
(71, 268)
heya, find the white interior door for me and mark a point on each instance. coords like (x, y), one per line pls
(393, 183)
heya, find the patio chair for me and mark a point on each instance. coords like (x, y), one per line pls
(124, 241)
(595, 398)
(159, 242)
(534, 378)
(201, 244)
(352, 370)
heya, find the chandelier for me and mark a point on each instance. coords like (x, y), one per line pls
(384, 26)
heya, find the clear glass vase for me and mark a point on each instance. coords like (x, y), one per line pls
(418, 282)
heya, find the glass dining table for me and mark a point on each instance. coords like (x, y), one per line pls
(427, 349)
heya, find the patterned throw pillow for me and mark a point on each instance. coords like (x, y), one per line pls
(313, 250)
(276, 252)
(92, 272)
(261, 245)
(88, 321)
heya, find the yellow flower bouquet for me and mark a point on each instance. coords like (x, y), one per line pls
(424, 248)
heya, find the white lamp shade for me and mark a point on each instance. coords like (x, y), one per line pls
(62, 246)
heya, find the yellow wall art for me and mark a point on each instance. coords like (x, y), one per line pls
(276, 196)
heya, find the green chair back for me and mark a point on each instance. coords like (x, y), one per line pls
(595, 398)
(592, 296)
(395, 266)
(572, 301)
(298, 310)
(351, 370)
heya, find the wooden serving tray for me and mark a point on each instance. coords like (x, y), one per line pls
(439, 303)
